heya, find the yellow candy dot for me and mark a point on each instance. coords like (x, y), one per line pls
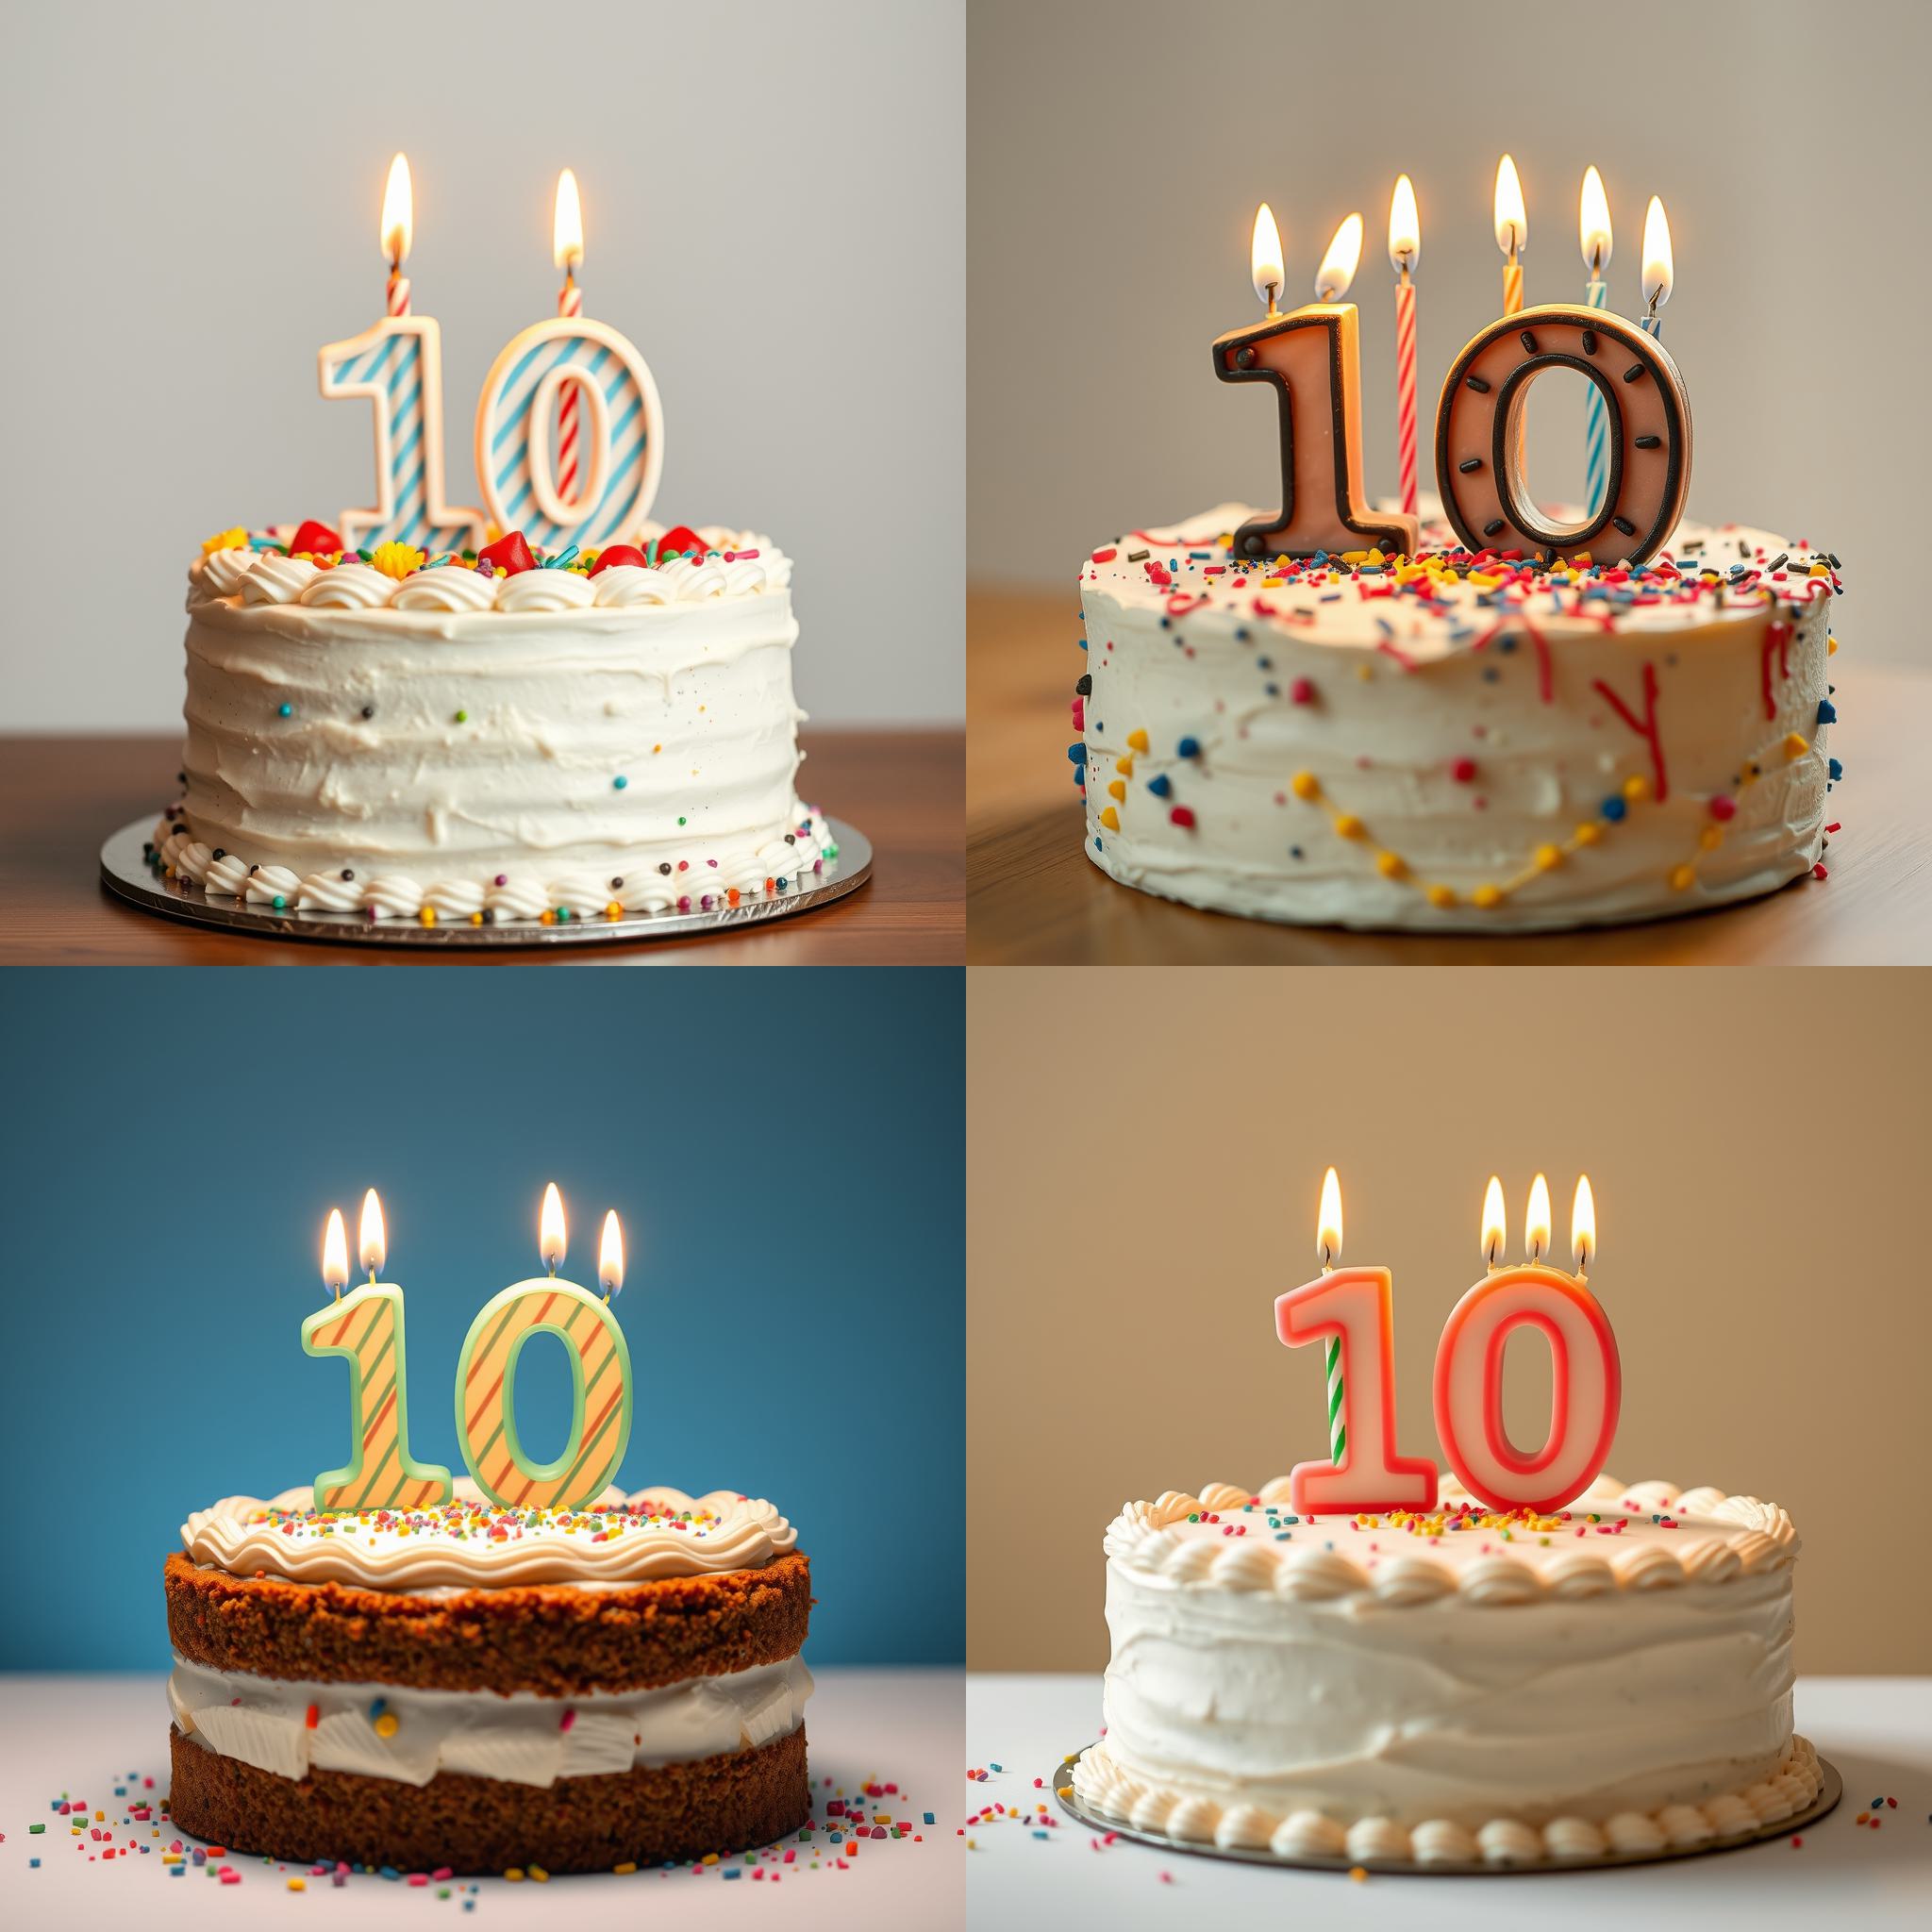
(1125, 766)
(1797, 746)
(1548, 858)
(1391, 865)
(1306, 785)
(1136, 741)
(1366, 673)
(1635, 787)
(1117, 792)
(1681, 877)
(475, 919)
(613, 910)
(1487, 896)
(1830, 645)
(1348, 826)
(388, 1724)
(1711, 837)
(428, 915)
(1588, 834)
(1111, 819)
(1441, 895)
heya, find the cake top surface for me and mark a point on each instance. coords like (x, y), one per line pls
(244, 571)
(471, 1542)
(1445, 599)
(1641, 1535)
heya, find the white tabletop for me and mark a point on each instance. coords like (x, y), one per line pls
(84, 1734)
(1876, 1730)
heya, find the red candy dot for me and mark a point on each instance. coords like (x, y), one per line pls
(1463, 770)
(1182, 815)
(1723, 808)
(1302, 690)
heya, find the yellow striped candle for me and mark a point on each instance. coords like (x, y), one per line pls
(366, 1330)
(1512, 233)
(600, 1385)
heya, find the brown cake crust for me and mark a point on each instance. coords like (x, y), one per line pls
(677, 1812)
(555, 1638)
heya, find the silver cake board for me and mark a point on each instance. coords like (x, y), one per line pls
(127, 872)
(1830, 1791)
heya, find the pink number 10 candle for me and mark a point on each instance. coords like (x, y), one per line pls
(366, 1329)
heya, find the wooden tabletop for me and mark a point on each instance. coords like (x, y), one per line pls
(61, 798)
(1033, 898)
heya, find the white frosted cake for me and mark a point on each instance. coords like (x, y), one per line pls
(1450, 1686)
(1456, 742)
(574, 737)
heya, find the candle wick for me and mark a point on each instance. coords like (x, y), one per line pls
(1273, 311)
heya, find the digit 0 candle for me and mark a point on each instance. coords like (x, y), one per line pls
(599, 1371)
(366, 1330)
(1350, 1310)
(1586, 1376)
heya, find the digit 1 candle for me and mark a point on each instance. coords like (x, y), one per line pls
(366, 1330)
(566, 251)
(1405, 251)
(1656, 268)
(1587, 1379)
(1311, 357)
(599, 1372)
(1593, 231)
(1513, 232)
(1350, 1310)
(398, 366)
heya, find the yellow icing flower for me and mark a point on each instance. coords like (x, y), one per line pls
(396, 559)
(225, 540)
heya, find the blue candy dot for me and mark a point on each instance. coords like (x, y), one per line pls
(1614, 808)
(287, 710)
(1077, 753)
(1160, 785)
(1827, 711)
(1838, 771)
(618, 784)
(1189, 747)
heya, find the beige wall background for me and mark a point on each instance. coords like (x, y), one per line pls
(1119, 150)
(1145, 1152)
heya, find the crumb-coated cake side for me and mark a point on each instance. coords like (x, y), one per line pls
(650, 1815)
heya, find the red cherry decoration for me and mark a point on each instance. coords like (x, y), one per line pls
(675, 542)
(318, 540)
(510, 555)
(609, 557)
(1463, 770)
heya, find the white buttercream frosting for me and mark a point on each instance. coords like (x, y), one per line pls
(480, 747)
(1337, 754)
(472, 1543)
(291, 1726)
(1464, 1687)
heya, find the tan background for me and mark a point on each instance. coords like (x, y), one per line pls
(1145, 1152)
(1117, 151)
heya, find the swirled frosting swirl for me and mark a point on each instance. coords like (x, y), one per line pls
(470, 1543)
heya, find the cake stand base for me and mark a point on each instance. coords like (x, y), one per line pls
(1830, 1791)
(127, 875)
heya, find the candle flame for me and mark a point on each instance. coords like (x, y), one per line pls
(335, 1253)
(1513, 219)
(1536, 1229)
(398, 212)
(1264, 257)
(1657, 256)
(372, 1242)
(1583, 1225)
(1495, 1222)
(611, 1256)
(1328, 1227)
(1340, 264)
(1593, 223)
(550, 1231)
(1405, 226)
(567, 229)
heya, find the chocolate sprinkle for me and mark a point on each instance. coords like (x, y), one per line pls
(1650, 442)
(1634, 372)
(1139, 556)
(1527, 340)
(1469, 465)
(1477, 383)
(1625, 524)
(1590, 342)
(1493, 529)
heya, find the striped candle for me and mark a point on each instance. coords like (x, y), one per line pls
(1512, 233)
(569, 303)
(1596, 421)
(1338, 1426)
(1659, 270)
(600, 1396)
(366, 1330)
(1405, 246)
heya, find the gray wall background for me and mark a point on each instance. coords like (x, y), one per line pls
(769, 190)
(1119, 150)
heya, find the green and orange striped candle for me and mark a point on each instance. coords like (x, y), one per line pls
(599, 1372)
(366, 1329)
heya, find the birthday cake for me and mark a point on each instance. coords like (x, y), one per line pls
(1458, 740)
(502, 735)
(1450, 1685)
(487, 1688)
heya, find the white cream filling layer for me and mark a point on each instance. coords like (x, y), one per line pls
(523, 1739)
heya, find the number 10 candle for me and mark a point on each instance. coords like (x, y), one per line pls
(366, 1329)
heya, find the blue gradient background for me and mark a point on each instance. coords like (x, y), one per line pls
(785, 1151)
